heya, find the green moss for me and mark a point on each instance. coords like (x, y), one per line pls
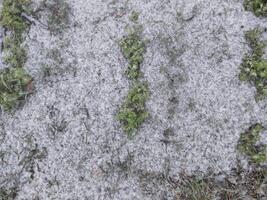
(13, 87)
(14, 81)
(259, 7)
(254, 67)
(16, 55)
(253, 38)
(11, 16)
(12, 20)
(134, 16)
(133, 49)
(133, 113)
(248, 144)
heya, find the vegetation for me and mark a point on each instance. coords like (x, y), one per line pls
(238, 186)
(16, 55)
(248, 144)
(13, 87)
(12, 18)
(250, 184)
(256, 183)
(14, 81)
(132, 113)
(133, 49)
(193, 188)
(134, 16)
(254, 67)
(259, 7)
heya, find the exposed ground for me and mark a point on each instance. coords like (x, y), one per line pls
(65, 141)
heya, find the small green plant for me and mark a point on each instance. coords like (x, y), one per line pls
(259, 7)
(13, 87)
(254, 67)
(133, 113)
(239, 185)
(14, 80)
(248, 144)
(15, 54)
(193, 188)
(11, 16)
(133, 49)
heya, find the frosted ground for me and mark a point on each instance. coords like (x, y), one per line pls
(65, 142)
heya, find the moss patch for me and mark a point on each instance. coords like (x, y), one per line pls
(248, 144)
(11, 16)
(133, 48)
(254, 67)
(134, 16)
(15, 54)
(14, 81)
(258, 7)
(133, 113)
(13, 87)
(12, 21)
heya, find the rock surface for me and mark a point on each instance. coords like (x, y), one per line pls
(65, 142)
